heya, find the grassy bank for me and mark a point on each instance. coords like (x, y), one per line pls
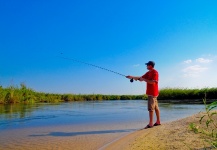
(23, 94)
(176, 93)
(187, 96)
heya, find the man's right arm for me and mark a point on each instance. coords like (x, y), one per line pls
(133, 77)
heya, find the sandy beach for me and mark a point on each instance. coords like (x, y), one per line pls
(168, 136)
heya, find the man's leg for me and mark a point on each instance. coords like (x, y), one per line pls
(151, 108)
(157, 111)
(151, 118)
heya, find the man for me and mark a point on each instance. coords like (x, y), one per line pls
(151, 78)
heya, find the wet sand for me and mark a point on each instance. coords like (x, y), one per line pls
(62, 137)
(169, 136)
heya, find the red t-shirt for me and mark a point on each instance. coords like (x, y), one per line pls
(152, 89)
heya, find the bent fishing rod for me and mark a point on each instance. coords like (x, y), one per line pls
(78, 61)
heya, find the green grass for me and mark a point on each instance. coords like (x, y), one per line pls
(23, 94)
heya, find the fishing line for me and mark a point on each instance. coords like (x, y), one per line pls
(78, 61)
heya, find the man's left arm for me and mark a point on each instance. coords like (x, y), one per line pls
(148, 81)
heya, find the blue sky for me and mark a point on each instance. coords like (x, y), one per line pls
(180, 36)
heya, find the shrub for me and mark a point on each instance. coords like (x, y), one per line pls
(209, 131)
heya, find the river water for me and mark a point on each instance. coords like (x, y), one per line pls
(88, 112)
(79, 120)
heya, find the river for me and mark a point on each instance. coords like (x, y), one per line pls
(103, 121)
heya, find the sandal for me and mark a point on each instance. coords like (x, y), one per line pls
(148, 126)
(156, 124)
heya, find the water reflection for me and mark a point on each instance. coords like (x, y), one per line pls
(15, 111)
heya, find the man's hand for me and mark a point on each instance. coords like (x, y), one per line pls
(150, 81)
(129, 77)
(141, 79)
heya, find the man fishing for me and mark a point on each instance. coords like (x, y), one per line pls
(151, 78)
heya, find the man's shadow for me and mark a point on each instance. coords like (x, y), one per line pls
(82, 133)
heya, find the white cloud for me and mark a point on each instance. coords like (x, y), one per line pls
(195, 69)
(136, 65)
(191, 73)
(188, 61)
(203, 60)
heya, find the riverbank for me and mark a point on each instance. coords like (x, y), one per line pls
(168, 136)
(186, 101)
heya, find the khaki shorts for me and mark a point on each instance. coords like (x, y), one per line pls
(152, 103)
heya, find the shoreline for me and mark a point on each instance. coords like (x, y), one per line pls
(169, 101)
(169, 136)
(186, 101)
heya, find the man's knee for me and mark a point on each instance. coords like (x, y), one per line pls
(150, 110)
(157, 109)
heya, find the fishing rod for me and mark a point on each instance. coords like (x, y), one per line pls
(78, 61)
